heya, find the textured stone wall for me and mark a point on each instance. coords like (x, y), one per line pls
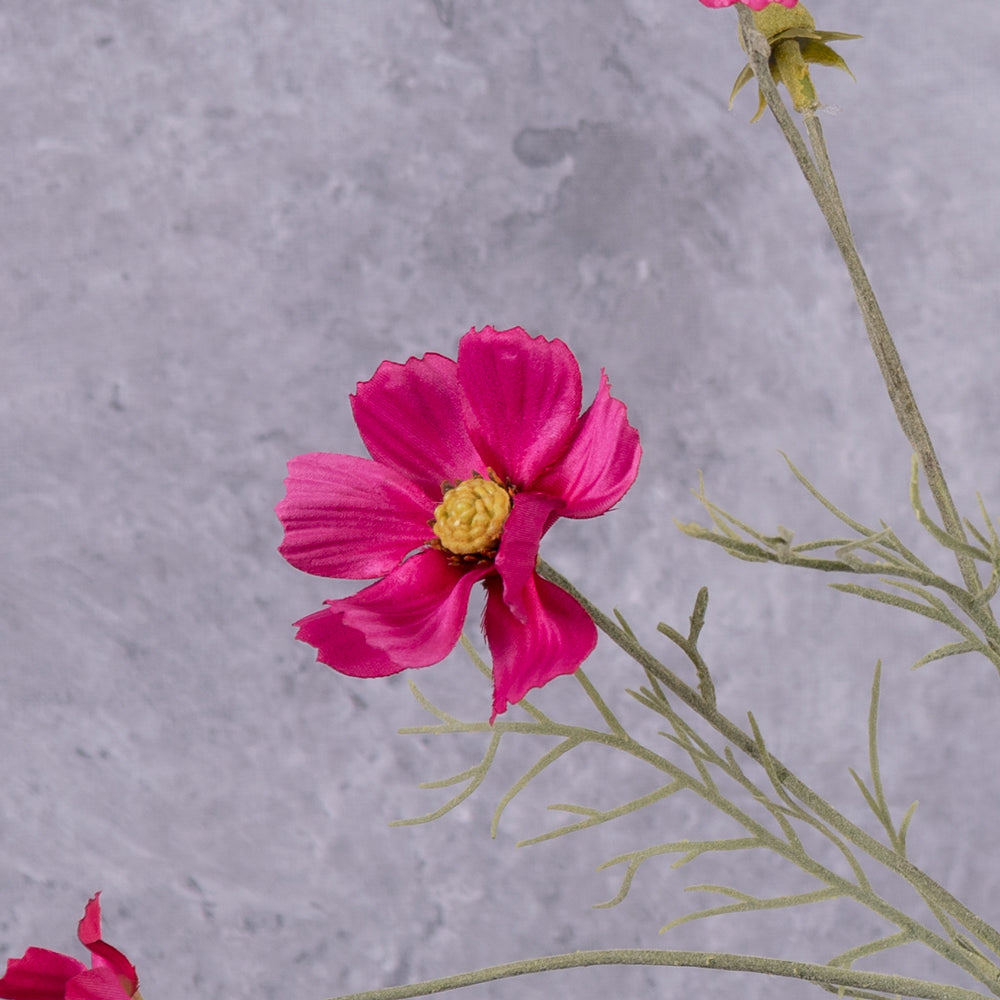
(216, 218)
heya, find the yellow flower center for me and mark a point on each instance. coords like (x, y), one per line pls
(470, 518)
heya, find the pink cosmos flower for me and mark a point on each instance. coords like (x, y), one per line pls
(49, 975)
(752, 4)
(472, 462)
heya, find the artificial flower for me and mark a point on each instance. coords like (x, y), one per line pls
(752, 4)
(49, 975)
(795, 42)
(472, 461)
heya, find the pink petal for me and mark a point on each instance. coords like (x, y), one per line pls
(522, 398)
(410, 418)
(343, 648)
(412, 618)
(557, 637)
(89, 932)
(39, 975)
(531, 516)
(98, 984)
(89, 928)
(350, 517)
(752, 4)
(600, 464)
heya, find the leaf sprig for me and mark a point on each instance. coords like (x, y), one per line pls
(773, 811)
(907, 582)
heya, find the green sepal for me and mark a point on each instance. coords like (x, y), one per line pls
(823, 55)
(790, 33)
(746, 75)
(812, 46)
(836, 36)
(789, 59)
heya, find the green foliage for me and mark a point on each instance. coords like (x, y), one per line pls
(774, 809)
(875, 797)
(907, 582)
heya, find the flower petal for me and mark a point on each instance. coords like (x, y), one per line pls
(601, 462)
(89, 932)
(522, 398)
(410, 418)
(531, 516)
(343, 648)
(557, 637)
(39, 974)
(350, 517)
(412, 618)
(752, 4)
(99, 983)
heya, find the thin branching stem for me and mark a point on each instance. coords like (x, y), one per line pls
(599, 703)
(895, 565)
(880, 983)
(789, 847)
(884, 855)
(819, 175)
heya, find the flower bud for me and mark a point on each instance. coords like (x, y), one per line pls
(795, 42)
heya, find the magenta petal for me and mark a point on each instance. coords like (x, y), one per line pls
(522, 398)
(412, 618)
(88, 930)
(350, 517)
(39, 975)
(532, 515)
(557, 637)
(98, 984)
(410, 418)
(343, 648)
(752, 4)
(601, 462)
(89, 933)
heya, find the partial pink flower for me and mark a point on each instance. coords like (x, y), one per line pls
(49, 975)
(752, 4)
(472, 461)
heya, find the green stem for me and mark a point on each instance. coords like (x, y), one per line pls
(825, 975)
(861, 891)
(824, 188)
(791, 849)
(985, 972)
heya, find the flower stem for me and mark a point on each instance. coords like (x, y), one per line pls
(827, 975)
(819, 175)
(976, 965)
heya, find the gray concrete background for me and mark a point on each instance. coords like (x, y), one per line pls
(217, 217)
